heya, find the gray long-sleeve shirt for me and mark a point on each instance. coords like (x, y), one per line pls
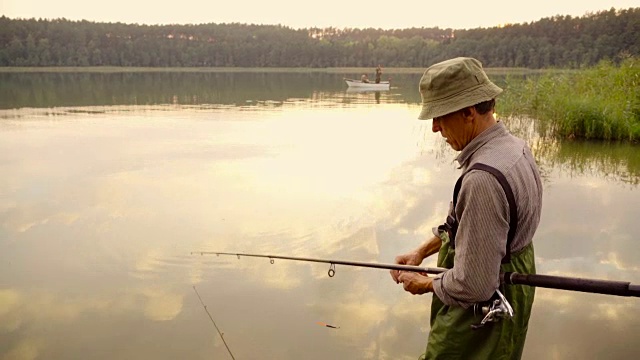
(483, 215)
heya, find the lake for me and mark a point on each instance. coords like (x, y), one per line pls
(110, 181)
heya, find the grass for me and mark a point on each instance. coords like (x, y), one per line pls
(600, 102)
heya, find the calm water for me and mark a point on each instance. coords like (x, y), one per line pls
(109, 181)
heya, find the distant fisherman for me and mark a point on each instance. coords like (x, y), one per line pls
(378, 74)
(491, 222)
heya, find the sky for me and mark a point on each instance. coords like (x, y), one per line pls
(397, 14)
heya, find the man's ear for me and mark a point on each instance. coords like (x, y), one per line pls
(469, 114)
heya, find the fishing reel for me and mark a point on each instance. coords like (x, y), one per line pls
(494, 310)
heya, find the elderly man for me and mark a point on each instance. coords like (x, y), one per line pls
(490, 226)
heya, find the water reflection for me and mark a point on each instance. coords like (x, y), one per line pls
(46, 90)
(103, 204)
(143, 187)
(616, 162)
(366, 93)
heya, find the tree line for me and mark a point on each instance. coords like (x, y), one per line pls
(558, 41)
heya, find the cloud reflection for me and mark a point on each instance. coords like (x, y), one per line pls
(162, 305)
(9, 301)
(107, 235)
(26, 349)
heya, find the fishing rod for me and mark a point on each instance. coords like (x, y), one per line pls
(332, 268)
(595, 286)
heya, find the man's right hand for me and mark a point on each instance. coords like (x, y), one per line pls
(415, 257)
(412, 258)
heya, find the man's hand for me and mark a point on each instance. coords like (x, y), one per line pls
(415, 258)
(412, 258)
(416, 283)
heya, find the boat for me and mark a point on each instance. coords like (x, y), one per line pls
(357, 84)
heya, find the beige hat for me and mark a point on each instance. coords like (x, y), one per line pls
(452, 85)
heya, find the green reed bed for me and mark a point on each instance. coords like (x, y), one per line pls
(600, 102)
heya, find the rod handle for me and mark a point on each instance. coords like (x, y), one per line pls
(607, 287)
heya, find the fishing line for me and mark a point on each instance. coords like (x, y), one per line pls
(214, 323)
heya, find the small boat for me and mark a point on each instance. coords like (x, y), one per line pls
(357, 84)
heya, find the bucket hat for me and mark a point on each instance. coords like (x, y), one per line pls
(452, 85)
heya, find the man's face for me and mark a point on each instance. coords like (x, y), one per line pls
(455, 128)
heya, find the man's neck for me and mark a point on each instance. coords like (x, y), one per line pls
(484, 122)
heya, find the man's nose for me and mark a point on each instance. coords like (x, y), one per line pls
(435, 126)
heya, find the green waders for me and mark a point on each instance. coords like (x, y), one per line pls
(451, 336)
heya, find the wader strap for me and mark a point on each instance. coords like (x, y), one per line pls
(451, 226)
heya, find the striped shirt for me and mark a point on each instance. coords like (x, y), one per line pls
(482, 212)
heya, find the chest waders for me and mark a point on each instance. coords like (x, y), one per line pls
(451, 335)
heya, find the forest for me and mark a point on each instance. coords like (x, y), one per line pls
(554, 42)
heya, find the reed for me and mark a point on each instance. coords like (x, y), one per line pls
(599, 102)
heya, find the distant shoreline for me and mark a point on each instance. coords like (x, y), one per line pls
(347, 70)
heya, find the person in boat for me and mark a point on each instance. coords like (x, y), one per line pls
(490, 225)
(364, 78)
(378, 74)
